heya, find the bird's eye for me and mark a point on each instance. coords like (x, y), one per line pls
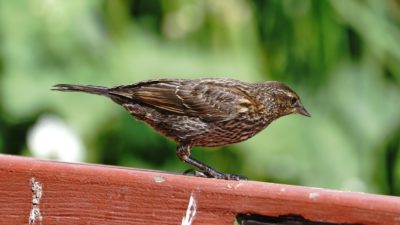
(293, 100)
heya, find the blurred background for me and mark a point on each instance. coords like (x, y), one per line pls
(342, 58)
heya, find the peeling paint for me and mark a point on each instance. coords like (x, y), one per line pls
(313, 195)
(190, 211)
(37, 192)
(238, 184)
(235, 186)
(159, 179)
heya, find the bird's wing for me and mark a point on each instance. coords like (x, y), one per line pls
(207, 100)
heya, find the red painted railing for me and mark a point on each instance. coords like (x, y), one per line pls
(46, 192)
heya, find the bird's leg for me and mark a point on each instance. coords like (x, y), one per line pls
(183, 152)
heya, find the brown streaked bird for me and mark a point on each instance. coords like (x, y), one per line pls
(202, 112)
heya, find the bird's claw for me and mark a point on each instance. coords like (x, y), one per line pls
(217, 175)
(194, 173)
(234, 177)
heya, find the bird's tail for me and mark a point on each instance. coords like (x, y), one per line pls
(98, 90)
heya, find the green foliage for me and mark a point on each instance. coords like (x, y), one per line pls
(342, 57)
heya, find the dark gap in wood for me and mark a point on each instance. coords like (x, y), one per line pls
(246, 219)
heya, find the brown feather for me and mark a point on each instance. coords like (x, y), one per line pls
(207, 100)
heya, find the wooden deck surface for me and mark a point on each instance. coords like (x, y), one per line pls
(47, 192)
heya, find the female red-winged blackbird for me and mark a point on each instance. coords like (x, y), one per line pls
(202, 112)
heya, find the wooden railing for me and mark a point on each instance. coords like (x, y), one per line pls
(46, 192)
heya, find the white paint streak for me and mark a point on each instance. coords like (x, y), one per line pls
(313, 195)
(37, 192)
(159, 179)
(238, 184)
(190, 211)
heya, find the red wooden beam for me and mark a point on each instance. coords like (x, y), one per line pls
(47, 192)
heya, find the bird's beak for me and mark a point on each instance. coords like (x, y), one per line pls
(302, 111)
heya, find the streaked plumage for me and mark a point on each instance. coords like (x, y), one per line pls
(202, 112)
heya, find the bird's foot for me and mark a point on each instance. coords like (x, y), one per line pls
(233, 177)
(218, 175)
(195, 173)
(214, 174)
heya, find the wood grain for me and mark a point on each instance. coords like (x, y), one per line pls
(96, 194)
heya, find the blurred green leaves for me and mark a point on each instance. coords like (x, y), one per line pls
(342, 57)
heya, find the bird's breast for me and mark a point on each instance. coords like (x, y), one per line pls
(231, 131)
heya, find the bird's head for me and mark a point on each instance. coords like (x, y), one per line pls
(280, 100)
